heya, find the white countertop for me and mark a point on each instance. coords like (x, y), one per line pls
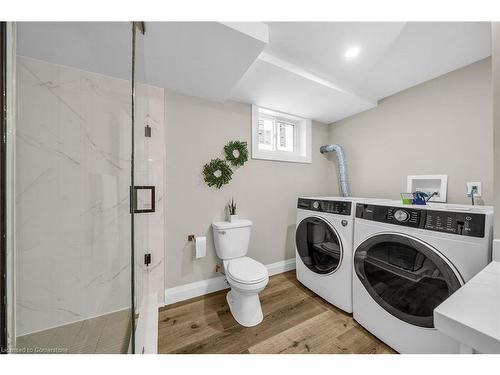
(472, 314)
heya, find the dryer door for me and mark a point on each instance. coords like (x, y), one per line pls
(318, 245)
(406, 276)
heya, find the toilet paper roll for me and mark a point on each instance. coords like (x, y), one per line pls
(201, 246)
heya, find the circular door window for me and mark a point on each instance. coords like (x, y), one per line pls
(318, 245)
(405, 276)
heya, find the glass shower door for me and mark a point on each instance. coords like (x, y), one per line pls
(74, 255)
(149, 180)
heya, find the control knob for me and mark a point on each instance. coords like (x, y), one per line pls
(401, 215)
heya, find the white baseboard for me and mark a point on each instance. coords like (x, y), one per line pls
(191, 290)
(280, 267)
(200, 288)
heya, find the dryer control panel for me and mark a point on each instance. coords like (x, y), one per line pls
(460, 223)
(332, 207)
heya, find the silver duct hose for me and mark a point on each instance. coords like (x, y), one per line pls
(344, 186)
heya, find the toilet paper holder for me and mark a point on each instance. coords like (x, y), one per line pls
(200, 245)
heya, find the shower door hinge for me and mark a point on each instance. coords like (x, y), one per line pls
(141, 26)
(147, 259)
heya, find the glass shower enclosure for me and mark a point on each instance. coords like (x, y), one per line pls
(76, 198)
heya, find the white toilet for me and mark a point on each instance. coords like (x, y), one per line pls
(246, 276)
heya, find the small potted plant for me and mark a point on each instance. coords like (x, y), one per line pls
(231, 208)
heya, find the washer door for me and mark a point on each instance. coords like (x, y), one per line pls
(405, 276)
(318, 245)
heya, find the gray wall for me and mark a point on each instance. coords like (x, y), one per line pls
(495, 53)
(452, 113)
(442, 126)
(265, 191)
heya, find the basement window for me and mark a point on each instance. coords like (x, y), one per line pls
(280, 136)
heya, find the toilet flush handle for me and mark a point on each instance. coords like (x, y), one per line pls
(222, 232)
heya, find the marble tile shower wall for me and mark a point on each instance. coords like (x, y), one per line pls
(72, 205)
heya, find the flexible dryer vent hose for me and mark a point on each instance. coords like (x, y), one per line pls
(344, 186)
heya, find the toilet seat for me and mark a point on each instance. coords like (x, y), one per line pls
(245, 270)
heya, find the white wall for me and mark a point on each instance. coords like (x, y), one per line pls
(265, 191)
(442, 126)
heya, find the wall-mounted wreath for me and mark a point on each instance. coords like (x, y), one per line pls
(236, 153)
(217, 173)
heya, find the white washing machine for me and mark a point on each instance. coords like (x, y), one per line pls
(409, 259)
(324, 246)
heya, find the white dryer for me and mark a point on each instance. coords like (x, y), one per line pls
(324, 246)
(408, 260)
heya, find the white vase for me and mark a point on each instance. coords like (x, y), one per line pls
(233, 218)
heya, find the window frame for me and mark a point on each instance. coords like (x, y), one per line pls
(302, 137)
(296, 126)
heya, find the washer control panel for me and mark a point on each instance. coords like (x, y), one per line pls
(460, 223)
(465, 224)
(332, 207)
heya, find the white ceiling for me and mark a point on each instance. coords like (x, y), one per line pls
(394, 55)
(204, 59)
(302, 70)
(274, 84)
(319, 47)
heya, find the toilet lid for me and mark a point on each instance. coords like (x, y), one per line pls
(246, 270)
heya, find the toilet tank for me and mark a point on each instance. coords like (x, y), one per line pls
(231, 239)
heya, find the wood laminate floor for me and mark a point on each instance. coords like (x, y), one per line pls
(295, 321)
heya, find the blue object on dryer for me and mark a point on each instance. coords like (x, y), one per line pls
(419, 198)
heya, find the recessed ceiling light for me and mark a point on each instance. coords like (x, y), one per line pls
(352, 52)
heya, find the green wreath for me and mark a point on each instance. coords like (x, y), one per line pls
(217, 173)
(236, 153)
